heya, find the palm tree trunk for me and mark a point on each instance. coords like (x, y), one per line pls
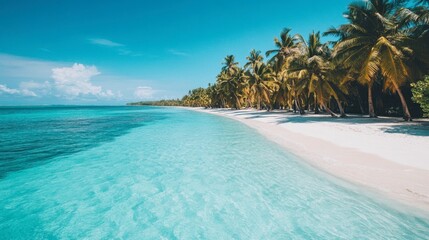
(307, 103)
(360, 104)
(248, 102)
(407, 115)
(370, 103)
(301, 109)
(237, 103)
(316, 109)
(342, 113)
(328, 110)
(296, 105)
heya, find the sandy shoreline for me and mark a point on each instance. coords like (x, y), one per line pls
(384, 156)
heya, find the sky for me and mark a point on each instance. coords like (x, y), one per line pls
(105, 52)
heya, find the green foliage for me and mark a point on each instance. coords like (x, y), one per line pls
(383, 44)
(163, 102)
(421, 94)
(196, 98)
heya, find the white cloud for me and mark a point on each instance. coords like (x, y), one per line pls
(34, 85)
(5, 89)
(28, 93)
(35, 78)
(105, 42)
(23, 92)
(108, 93)
(76, 81)
(38, 88)
(144, 93)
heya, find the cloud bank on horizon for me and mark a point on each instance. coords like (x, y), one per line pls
(76, 81)
(40, 80)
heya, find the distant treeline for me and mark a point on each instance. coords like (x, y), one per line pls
(169, 102)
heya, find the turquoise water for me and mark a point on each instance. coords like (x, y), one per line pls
(162, 173)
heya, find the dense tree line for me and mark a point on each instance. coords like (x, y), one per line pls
(380, 52)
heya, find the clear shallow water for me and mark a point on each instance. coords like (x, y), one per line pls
(150, 173)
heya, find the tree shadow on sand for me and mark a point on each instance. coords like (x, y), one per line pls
(417, 129)
(392, 125)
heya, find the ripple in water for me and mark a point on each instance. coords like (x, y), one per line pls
(189, 176)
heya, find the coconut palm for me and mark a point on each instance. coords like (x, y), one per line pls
(311, 69)
(282, 96)
(253, 59)
(286, 48)
(215, 95)
(230, 66)
(369, 44)
(385, 42)
(241, 78)
(415, 23)
(233, 86)
(260, 80)
(197, 98)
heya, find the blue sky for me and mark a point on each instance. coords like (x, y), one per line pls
(113, 52)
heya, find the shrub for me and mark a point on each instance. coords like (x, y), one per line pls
(421, 94)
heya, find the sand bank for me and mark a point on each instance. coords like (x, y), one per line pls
(385, 156)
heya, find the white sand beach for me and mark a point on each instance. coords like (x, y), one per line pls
(385, 155)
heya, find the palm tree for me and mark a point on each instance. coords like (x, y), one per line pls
(225, 84)
(253, 59)
(369, 44)
(415, 23)
(215, 95)
(339, 82)
(241, 79)
(286, 49)
(230, 66)
(260, 80)
(311, 69)
(282, 94)
(233, 86)
(197, 98)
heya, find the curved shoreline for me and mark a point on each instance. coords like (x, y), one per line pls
(402, 182)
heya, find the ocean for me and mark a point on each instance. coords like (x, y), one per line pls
(73, 172)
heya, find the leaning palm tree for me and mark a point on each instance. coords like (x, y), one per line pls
(370, 44)
(339, 81)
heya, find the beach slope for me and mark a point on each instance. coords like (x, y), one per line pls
(384, 156)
